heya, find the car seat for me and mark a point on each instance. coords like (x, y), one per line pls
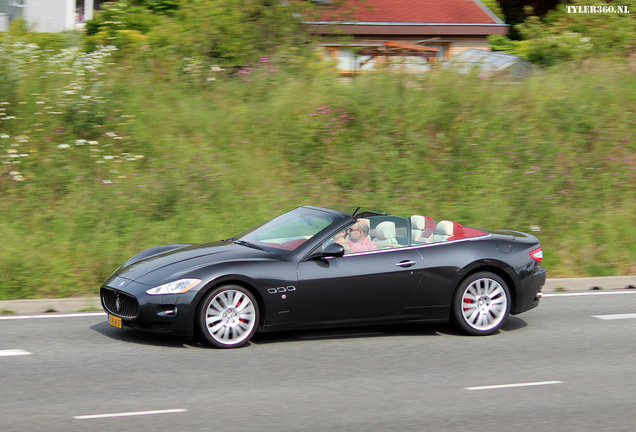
(385, 234)
(443, 231)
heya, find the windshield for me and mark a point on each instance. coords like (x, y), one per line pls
(289, 231)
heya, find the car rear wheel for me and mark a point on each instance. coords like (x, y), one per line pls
(481, 304)
(228, 317)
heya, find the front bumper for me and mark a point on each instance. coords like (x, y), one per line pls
(168, 313)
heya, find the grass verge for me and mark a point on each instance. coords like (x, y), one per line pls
(103, 159)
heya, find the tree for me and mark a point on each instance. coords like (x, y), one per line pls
(233, 32)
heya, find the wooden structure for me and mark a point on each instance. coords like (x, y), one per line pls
(449, 26)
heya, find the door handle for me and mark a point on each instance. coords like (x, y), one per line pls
(407, 263)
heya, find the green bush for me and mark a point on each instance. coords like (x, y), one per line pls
(566, 35)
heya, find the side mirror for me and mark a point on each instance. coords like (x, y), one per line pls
(333, 250)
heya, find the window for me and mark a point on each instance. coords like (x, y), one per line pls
(442, 47)
(354, 238)
(347, 61)
(288, 231)
(372, 233)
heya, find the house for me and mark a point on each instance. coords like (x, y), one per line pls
(47, 15)
(390, 31)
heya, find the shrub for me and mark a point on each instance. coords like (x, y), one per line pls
(564, 36)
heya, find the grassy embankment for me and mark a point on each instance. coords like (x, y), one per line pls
(128, 156)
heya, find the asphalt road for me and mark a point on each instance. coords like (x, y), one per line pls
(561, 367)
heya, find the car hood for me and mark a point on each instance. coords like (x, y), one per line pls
(167, 266)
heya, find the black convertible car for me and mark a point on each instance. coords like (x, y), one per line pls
(314, 268)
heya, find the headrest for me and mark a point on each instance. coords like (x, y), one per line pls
(385, 230)
(418, 222)
(445, 228)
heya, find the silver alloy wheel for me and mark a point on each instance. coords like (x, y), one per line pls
(484, 304)
(230, 317)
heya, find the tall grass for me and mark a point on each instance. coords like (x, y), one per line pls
(138, 153)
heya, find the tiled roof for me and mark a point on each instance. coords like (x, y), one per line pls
(411, 11)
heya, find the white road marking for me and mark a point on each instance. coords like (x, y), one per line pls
(530, 384)
(52, 315)
(128, 414)
(14, 352)
(615, 316)
(592, 293)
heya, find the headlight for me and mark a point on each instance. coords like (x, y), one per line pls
(176, 287)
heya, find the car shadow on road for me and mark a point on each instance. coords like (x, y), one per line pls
(448, 329)
(513, 323)
(140, 337)
(384, 331)
(397, 330)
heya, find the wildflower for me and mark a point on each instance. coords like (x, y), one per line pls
(63, 146)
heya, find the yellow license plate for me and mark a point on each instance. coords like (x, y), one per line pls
(115, 321)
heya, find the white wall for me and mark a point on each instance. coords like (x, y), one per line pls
(50, 15)
(4, 22)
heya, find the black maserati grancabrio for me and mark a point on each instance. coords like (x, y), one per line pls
(315, 268)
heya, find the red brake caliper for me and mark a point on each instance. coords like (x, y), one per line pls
(469, 301)
(243, 320)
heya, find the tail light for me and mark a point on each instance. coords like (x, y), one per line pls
(537, 254)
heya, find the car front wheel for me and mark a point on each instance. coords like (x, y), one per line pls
(228, 317)
(481, 304)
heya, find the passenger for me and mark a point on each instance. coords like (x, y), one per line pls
(358, 236)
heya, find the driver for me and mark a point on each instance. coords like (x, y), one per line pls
(358, 236)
